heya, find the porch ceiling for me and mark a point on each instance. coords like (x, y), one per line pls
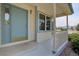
(65, 8)
(62, 9)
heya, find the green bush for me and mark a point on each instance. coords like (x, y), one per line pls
(74, 38)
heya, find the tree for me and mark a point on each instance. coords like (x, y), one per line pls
(77, 27)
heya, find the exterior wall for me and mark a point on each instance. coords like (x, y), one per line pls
(0, 24)
(41, 36)
(61, 38)
(31, 19)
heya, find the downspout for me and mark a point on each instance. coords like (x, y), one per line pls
(54, 25)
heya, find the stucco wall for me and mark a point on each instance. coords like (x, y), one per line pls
(31, 19)
(61, 38)
(0, 24)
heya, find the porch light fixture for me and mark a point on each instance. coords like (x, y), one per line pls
(30, 11)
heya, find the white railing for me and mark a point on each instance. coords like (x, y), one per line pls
(61, 37)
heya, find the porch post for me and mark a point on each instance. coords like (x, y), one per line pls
(36, 26)
(67, 23)
(54, 25)
(0, 25)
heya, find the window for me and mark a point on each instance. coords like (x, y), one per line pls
(44, 22)
(48, 23)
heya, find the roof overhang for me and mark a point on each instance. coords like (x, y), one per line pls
(66, 9)
(62, 9)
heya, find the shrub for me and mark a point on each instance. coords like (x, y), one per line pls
(74, 38)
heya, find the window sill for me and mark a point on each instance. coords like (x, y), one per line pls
(44, 31)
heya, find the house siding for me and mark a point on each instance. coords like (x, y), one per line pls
(43, 36)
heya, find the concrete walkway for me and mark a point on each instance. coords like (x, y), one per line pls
(68, 51)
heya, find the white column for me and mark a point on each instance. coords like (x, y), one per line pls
(54, 25)
(67, 23)
(0, 24)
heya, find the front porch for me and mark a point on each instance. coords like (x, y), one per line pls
(39, 30)
(34, 48)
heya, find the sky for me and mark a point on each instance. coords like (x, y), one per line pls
(73, 19)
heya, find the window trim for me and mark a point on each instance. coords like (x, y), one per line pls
(50, 22)
(39, 12)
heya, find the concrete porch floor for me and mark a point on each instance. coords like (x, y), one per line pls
(28, 49)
